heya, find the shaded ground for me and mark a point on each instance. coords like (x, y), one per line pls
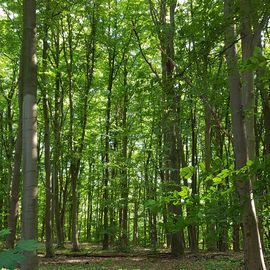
(92, 257)
(209, 261)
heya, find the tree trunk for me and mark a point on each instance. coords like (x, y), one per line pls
(243, 143)
(48, 207)
(171, 127)
(29, 80)
(124, 186)
(57, 120)
(192, 228)
(105, 242)
(15, 183)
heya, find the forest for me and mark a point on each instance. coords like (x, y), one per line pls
(135, 134)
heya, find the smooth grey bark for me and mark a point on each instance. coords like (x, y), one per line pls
(254, 258)
(30, 155)
(248, 94)
(243, 143)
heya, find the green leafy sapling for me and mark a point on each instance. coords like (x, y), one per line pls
(9, 258)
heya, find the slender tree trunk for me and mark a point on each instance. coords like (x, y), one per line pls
(57, 120)
(48, 218)
(124, 186)
(30, 155)
(48, 207)
(236, 237)
(192, 228)
(135, 223)
(210, 225)
(15, 183)
(90, 202)
(106, 152)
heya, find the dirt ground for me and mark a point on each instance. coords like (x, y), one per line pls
(203, 261)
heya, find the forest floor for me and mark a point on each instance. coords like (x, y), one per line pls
(142, 260)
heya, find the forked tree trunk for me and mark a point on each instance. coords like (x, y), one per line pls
(243, 143)
(252, 243)
(29, 79)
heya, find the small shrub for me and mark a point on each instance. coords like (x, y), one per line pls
(10, 257)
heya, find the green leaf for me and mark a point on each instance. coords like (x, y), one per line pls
(27, 245)
(153, 205)
(187, 172)
(184, 193)
(4, 233)
(9, 259)
(217, 180)
(250, 163)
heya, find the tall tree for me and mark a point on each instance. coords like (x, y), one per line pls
(241, 125)
(29, 85)
(47, 157)
(16, 176)
(166, 30)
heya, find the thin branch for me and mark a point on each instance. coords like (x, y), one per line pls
(259, 28)
(143, 54)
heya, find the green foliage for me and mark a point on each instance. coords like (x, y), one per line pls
(187, 172)
(4, 233)
(10, 258)
(257, 60)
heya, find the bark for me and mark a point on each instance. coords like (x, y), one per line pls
(262, 87)
(30, 155)
(48, 207)
(171, 127)
(105, 242)
(210, 226)
(135, 223)
(236, 237)
(90, 203)
(192, 228)
(253, 249)
(124, 184)
(15, 183)
(73, 170)
(57, 183)
(264, 93)
(243, 143)
(48, 211)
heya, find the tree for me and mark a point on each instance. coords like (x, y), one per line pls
(47, 158)
(29, 86)
(166, 31)
(137, 136)
(243, 127)
(15, 182)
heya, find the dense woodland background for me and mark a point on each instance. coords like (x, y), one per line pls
(153, 123)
